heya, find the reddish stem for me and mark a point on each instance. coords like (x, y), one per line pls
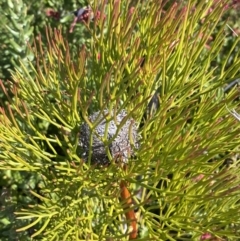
(130, 215)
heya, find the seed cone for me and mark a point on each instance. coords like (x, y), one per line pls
(121, 148)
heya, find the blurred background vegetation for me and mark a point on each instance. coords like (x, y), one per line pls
(22, 21)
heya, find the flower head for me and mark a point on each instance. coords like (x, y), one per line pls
(120, 147)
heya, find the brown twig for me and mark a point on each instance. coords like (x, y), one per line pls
(130, 215)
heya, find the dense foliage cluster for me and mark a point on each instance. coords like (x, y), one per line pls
(163, 70)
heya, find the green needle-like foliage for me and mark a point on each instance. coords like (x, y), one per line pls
(179, 184)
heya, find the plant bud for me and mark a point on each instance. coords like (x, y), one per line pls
(125, 138)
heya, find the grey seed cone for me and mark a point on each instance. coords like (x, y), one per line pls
(120, 148)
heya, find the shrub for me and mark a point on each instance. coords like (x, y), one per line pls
(177, 185)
